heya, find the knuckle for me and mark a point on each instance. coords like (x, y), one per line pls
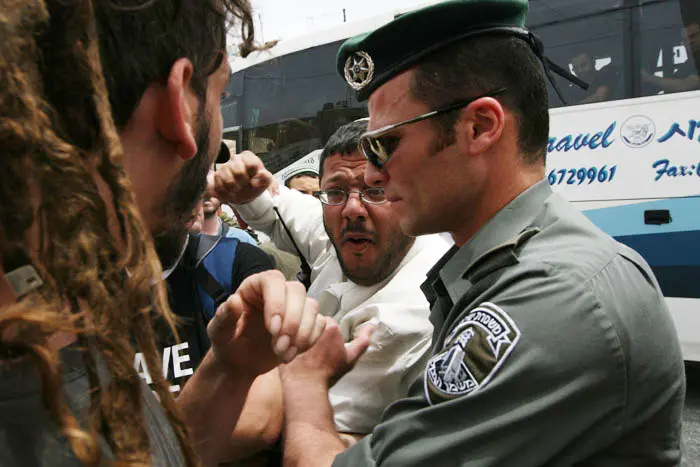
(273, 274)
(312, 306)
(295, 286)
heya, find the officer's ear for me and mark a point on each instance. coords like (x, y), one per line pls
(480, 125)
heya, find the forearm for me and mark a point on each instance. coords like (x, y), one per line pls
(258, 213)
(260, 423)
(302, 215)
(310, 436)
(212, 401)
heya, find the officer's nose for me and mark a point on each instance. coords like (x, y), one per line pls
(375, 176)
(355, 208)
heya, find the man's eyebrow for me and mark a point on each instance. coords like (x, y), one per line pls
(336, 178)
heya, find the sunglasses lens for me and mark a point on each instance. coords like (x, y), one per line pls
(373, 151)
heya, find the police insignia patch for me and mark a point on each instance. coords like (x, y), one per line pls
(359, 70)
(471, 354)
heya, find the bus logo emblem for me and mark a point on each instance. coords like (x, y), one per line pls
(637, 131)
(359, 70)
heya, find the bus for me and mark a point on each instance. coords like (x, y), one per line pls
(626, 151)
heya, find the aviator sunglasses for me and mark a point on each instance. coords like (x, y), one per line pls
(377, 148)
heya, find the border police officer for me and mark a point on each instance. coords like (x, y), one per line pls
(552, 345)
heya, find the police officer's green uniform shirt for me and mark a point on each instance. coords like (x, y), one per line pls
(553, 346)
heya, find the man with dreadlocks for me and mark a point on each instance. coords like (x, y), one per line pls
(89, 90)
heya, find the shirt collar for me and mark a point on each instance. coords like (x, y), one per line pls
(504, 226)
(167, 272)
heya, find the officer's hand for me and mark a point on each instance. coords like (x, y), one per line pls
(330, 358)
(240, 180)
(266, 322)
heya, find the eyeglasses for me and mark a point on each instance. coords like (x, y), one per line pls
(338, 197)
(377, 147)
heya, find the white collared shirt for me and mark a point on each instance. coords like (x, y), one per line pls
(396, 306)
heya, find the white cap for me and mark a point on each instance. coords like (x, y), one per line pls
(308, 163)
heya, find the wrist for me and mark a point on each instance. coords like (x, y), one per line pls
(227, 371)
(293, 376)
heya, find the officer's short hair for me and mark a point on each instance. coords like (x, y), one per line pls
(344, 141)
(476, 66)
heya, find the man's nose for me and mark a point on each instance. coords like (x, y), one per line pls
(355, 208)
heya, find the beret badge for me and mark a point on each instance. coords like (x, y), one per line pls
(359, 70)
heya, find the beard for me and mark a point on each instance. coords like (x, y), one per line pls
(181, 199)
(211, 212)
(383, 267)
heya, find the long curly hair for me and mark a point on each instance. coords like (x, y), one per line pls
(59, 145)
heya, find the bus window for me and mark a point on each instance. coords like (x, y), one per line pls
(544, 12)
(293, 104)
(668, 41)
(591, 46)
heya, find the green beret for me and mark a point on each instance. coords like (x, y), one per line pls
(369, 60)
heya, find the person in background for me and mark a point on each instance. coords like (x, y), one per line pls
(305, 182)
(602, 83)
(214, 225)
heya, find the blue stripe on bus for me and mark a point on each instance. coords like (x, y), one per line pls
(678, 281)
(666, 249)
(675, 259)
(672, 250)
(628, 219)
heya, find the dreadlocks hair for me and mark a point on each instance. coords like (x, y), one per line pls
(56, 133)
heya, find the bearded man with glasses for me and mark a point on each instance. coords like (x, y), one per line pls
(364, 270)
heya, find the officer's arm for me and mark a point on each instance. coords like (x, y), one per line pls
(310, 436)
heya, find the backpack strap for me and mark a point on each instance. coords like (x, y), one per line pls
(211, 287)
(304, 276)
(224, 228)
(213, 271)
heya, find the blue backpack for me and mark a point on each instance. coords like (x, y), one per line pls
(213, 271)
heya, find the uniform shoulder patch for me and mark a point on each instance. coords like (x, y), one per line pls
(472, 353)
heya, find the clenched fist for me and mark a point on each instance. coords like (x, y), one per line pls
(240, 180)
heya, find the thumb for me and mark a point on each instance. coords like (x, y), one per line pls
(357, 347)
(223, 325)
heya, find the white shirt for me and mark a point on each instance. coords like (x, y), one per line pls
(396, 306)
